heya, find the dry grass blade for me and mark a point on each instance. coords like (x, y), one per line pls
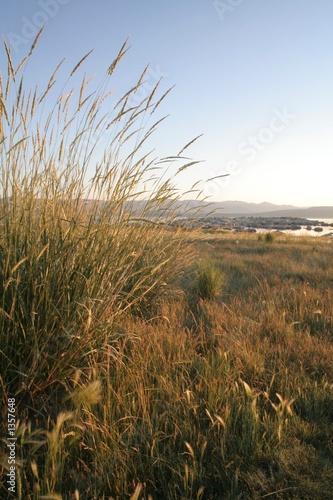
(120, 55)
(82, 89)
(162, 99)
(51, 496)
(283, 490)
(189, 144)
(150, 98)
(136, 494)
(10, 63)
(3, 110)
(217, 177)
(34, 44)
(169, 159)
(21, 64)
(80, 62)
(188, 165)
(142, 77)
(24, 139)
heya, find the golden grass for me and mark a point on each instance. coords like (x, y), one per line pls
(127, 383)
(217, 399)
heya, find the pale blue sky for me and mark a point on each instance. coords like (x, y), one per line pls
(254, 76)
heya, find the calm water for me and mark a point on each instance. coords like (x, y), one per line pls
(329, 221)
(304, 231)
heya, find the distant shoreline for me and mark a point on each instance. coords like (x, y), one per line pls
(257, 224)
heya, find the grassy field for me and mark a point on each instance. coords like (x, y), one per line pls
(224, 397)
(138, 361)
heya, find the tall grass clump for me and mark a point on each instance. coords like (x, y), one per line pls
(209, 282)
(85, 213)
(269, 238)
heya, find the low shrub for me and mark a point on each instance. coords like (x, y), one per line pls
(209, 281)
(269, 237)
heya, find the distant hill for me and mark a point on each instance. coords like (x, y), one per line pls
(228, 208)
(265, 209)
(308, 213)
(244, 208)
